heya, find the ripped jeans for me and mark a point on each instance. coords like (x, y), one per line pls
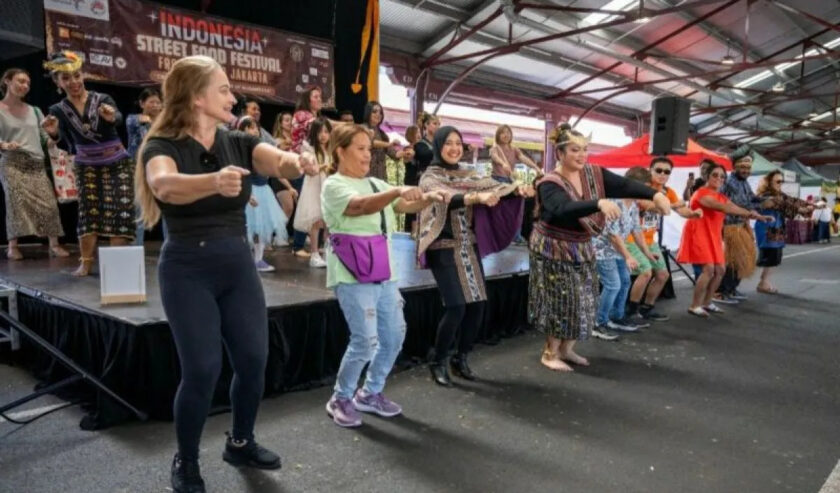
(374, 314)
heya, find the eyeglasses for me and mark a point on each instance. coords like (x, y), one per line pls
(717, 175)
(662, 171)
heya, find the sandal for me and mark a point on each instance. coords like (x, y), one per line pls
(767, 290)
(699, 312)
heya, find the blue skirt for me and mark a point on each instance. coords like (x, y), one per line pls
(267, 219)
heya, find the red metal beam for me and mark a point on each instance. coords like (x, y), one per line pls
(808, 16)
(783, 98)
(819, 161)
(459, 39)
(644, 49)
(730, 68)
(576, 10)
(573, 32)
(796, 142)
(776, 53)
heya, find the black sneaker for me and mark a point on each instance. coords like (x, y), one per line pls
(250, 455)
(621, 327)
(737, 295)
(637, 320)
(656, 317)
(725, 299)
(186, 476)
(600, 332)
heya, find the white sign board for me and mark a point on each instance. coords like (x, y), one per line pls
(94, 9)
(122, 275)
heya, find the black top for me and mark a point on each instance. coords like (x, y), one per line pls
(214, 216)
(558, 209)
(94, 128)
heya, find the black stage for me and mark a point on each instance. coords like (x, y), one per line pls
(130, 348)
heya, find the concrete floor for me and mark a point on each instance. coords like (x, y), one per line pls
(745, 402)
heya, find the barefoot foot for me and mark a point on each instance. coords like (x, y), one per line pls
(58, 251)
(85, 266)
(573, 357)
(555, 364)
(14, 254)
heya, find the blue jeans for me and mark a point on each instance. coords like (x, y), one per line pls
(374, 314)
(615, 286)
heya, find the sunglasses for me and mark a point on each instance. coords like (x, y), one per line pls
(778, 182)
(717, 175)
(662, 171)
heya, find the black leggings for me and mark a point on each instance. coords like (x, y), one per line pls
(212, 296)
(468, 318)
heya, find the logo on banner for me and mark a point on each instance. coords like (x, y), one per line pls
(102, 60)
(297, 53)
(93, 9)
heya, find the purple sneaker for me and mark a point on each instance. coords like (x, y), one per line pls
(343, 413)
(263, 266)
(376, 403)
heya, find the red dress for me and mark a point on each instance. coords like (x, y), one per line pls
(702, 239)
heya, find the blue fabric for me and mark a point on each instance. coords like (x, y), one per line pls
(624, 226)
(741, 194)
(266, 220)
(615, 286)
(765, 240)
(374, 314)
(135, 131)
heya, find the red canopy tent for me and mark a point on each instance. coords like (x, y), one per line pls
(636, 154)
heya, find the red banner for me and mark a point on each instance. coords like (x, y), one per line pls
(132, 42)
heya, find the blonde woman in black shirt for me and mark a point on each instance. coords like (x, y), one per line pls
(192, 173)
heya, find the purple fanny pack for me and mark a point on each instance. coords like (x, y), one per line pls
(366, 257)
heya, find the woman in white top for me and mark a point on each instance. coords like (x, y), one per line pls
(31, 209)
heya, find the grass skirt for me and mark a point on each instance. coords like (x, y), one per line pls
(740, 249)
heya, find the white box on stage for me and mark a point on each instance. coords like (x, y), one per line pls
(122, 275)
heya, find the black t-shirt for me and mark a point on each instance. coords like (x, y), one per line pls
(214, 216)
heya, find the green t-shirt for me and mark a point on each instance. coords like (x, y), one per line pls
(336, 194)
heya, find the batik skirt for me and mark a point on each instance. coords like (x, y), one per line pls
(563, 291)
(31, 208)
(106, 199)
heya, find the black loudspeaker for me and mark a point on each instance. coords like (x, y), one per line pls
(669, 126)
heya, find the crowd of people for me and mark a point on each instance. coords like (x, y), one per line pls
(227, 189)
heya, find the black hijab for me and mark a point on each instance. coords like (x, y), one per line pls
(437, 146)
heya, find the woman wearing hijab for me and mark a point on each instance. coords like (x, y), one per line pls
(453, 238)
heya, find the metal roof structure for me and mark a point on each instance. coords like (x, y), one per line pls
(763, 72)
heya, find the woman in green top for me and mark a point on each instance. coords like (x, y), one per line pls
(351, 205)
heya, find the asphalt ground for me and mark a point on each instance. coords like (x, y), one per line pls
(748, 401)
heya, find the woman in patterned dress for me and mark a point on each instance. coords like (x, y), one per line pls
(770, 236)
(31, 208)
(572, 207)
(374, 116)
(85, 122)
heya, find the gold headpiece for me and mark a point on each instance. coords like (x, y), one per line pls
(564, 135)
(65, 61)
